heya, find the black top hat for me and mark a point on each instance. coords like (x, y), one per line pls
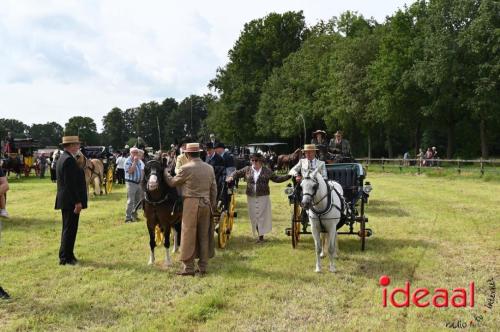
(220, 145)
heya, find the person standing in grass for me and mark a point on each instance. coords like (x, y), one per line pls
(199, 191)
(259, 203)
(134, 167)
(71, 197)
(4, 186)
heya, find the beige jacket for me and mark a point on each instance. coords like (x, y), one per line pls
(197, 180)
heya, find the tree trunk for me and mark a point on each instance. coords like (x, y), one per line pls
(369, 146)
(484, 141)
(389, 145)
(451, 140)
(416, 138)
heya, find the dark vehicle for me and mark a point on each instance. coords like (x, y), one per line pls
(351, 176)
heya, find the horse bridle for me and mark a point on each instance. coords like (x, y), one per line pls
(146, 192)
(328, 195)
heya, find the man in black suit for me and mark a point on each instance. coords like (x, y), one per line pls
(71, 197)
(217, 162)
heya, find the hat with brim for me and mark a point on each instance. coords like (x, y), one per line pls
(319, 132)
(192, 147)
(310, 147)
(220, 145)
(70, 140)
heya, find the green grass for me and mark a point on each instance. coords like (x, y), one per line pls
(432, 231)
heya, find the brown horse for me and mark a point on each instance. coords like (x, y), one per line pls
(285, 161)
(160, 209)
(94, 172)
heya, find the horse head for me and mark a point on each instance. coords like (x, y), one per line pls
(153, 175)
(309, 185)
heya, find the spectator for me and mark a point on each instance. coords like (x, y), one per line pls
(53, 162)
(43, 165)
(4, 186)
(406, 159)
(134, 168)
(428, 157)
(434, 156)
(420, 157)
(120, 168)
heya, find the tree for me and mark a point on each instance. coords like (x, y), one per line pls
(84, 127)
(114, 128)
(48, 134)
(262, 46)
(17, 128)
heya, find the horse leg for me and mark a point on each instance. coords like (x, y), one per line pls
(316, 229)
(97, 186)
(324, 245)
(152, 244)
(332, 252)
(168, 260)
(177, 237)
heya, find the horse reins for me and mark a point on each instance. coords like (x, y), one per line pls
(328, 195)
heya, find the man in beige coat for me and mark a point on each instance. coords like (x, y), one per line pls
(199, 192)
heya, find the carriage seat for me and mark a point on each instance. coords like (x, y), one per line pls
(350, 176)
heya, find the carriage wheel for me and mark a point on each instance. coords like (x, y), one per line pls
(295, 229)
(232, 206)
(363, 225)
(108, 180)
(222, 236)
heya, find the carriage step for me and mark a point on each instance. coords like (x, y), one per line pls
(235, 214)
(360, 218)
(288, 231)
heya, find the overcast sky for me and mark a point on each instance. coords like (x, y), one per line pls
(64, 58)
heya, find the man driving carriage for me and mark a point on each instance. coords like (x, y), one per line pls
(310, 162)
(339, 145)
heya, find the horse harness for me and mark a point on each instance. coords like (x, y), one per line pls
(329, 204)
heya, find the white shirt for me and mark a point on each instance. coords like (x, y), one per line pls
(256, 174)
(120, 162)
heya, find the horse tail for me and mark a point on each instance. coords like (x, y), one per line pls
(159, 236)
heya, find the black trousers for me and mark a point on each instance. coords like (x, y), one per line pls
(120, 174)
(68, 235)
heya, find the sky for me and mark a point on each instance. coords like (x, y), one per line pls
(64, 58)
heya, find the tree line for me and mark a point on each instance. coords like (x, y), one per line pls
(426, 76)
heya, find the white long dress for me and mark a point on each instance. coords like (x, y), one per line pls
(259, 211)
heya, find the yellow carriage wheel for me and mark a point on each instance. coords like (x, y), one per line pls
(232, 207)
(108, 181)
(222, 236)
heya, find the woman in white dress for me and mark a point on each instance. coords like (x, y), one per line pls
(257, 178)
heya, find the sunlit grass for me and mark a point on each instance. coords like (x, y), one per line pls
(432, 231)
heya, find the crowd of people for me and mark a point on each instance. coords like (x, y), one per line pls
(202, 176)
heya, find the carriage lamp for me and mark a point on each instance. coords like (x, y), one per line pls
(367, 188)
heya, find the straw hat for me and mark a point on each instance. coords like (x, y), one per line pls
(310, 147)
(319, 132)
(70, 140)
(192, 147)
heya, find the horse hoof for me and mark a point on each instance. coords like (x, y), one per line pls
(322, 255)
(151, 262)
(333, 269)
(318, 270)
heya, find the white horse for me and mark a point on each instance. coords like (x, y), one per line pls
(324, 204)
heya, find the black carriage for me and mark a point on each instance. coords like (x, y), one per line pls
(108, 160)
(351, 176)
(22, 158)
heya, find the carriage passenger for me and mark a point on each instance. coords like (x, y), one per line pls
(229, 168)
(216, 161)
(310, 162)
(339, 145)
(319, 139)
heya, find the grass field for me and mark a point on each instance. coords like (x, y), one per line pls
(431, 231)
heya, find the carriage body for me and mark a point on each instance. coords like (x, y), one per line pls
(351, 176)
(108, 160)
(22, 159)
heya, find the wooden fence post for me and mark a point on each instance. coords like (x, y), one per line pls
(482, 167)
(383, 169)
(458, 169)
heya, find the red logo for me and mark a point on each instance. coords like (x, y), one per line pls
(422, 297)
